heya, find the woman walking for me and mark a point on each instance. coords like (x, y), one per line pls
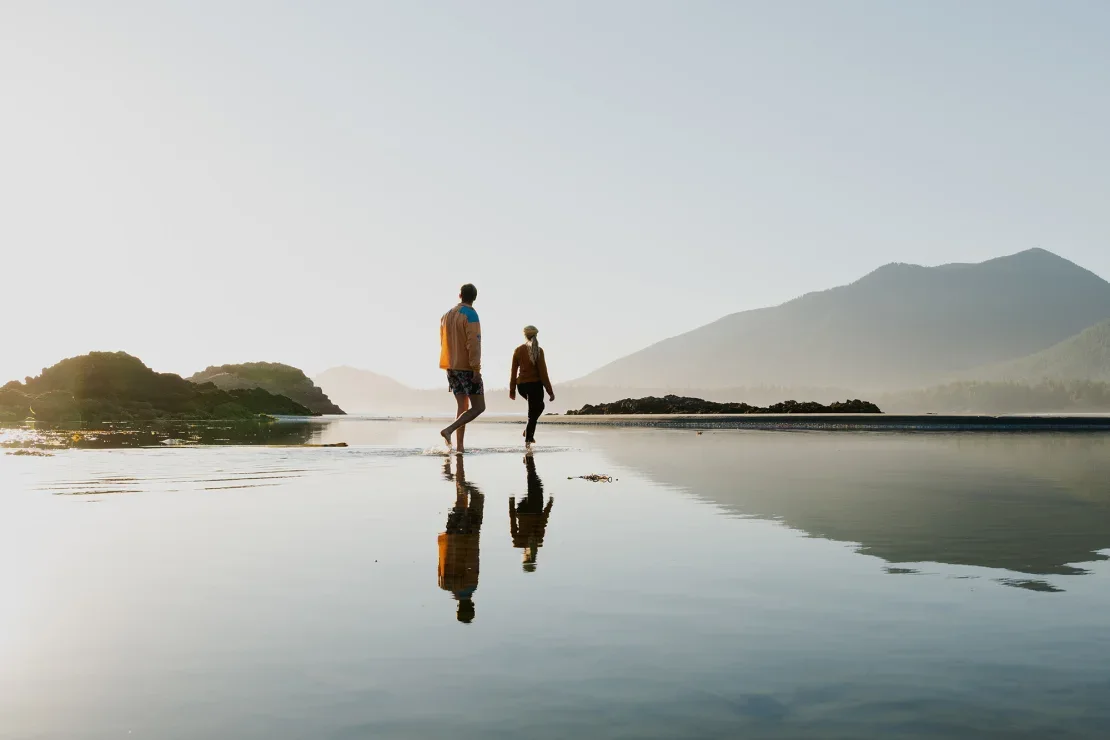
(529, 375)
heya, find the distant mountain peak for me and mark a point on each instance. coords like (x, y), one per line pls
(1034, 255)
(1038, 252)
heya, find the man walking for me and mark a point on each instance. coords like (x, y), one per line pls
(460, 354)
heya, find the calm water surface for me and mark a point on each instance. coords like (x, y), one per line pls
(780, 585)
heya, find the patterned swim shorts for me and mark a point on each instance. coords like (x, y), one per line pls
(462, 383)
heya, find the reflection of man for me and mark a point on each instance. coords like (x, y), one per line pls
(528, 520)
(458, 545)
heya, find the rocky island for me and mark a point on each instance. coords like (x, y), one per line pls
(273, 377)
(684, 405)
(115, 386)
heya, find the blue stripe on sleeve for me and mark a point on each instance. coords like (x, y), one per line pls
(470, 314)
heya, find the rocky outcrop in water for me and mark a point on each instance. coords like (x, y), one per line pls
(114, 386)
(274, 377)
(684, 405)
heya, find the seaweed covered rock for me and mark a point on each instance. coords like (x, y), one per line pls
(686, 405)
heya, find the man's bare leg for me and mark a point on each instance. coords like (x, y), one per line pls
(477, 406)
(462, 403)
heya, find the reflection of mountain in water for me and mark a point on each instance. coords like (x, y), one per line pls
(1031, 504)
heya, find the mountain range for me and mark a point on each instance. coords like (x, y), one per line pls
(901, 326)
(1028, 318)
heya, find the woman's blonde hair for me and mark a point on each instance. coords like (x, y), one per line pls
(530, 333)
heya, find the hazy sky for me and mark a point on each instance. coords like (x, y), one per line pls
(208, 182)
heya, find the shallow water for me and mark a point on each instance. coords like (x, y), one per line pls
(755, 584)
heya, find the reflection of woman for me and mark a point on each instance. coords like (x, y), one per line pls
(529, 375)
(528, 520)
(458, 544)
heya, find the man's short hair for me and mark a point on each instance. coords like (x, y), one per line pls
(468, 293)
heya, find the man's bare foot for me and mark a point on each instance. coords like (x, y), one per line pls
(446, 438)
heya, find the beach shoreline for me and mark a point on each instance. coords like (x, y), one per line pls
(835, 422)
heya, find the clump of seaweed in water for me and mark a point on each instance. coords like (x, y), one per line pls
(595, 477)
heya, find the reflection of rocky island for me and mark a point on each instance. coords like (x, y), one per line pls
(458, 543)
(1033, 505)
(683, 405)
(273, 377)
(112, 435)
(528, 519)
(114, 386)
